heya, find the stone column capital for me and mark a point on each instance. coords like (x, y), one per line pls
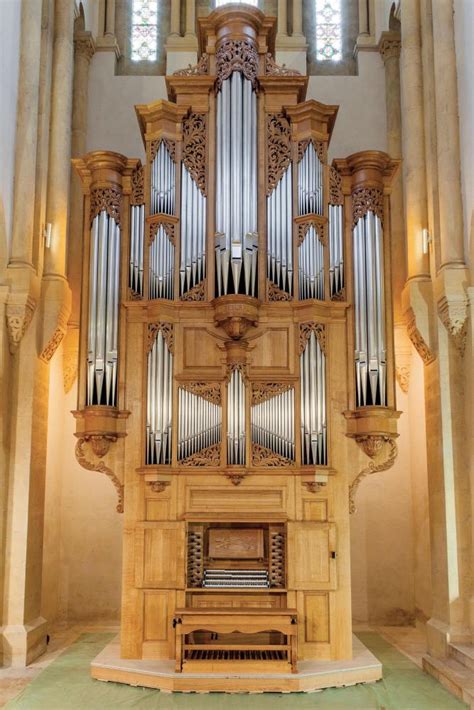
(84, 44)
(390, 45)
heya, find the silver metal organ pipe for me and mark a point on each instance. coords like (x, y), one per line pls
(102, 338)
(159, 403)
(310, 182)
(313, 404)
(192, 269)
(279, 231)
(137, 232)
(272, 424)
(311, 266)
(163, 182)
(369, 306)
(161, 266)
(336, 250)
(236, 243)
(236, 419)
(199, 424)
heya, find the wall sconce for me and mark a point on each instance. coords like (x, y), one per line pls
(426, 237)
(47, 235)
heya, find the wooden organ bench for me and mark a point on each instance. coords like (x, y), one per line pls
(239, 648)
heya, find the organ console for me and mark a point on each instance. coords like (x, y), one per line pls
(236, 341)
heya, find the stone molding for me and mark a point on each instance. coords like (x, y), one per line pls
(19, 313)
(416, 338)
(453, 313)
(390, 45)
(57, 337)
(84, 45)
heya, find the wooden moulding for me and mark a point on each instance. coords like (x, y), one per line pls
(160, 118)
(236, 314)
(367, 169)
(241, 22)
(376, 421)
(101, 421)
(312, 119)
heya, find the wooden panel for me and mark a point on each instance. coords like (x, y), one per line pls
(160, 556)
(316, 618)
(315, 510)
(272, 350)
(200, 349)
(155, 616)
(234, 543)
(157, 509)
(309, 555)
(242, 500)
(236, 600)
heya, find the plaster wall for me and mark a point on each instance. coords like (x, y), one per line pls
(10, 12)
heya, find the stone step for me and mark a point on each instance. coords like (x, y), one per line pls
(455, 677)
(463, 653)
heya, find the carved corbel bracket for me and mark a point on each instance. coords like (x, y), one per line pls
(236, 314)
(158, 486)
(100, 445)
(19, 313)
(313, 486)
(382, 450)
(235, 478)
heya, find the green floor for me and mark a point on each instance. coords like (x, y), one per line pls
(66, 685)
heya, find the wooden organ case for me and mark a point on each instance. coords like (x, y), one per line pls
(236, 339)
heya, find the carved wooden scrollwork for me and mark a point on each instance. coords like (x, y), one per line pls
(365, 199)
(158, 486)
(336, 196)
(100, 446)
(137, 196)
(318, 329)
(236, 478)
(313, 486)
(236, 55)
(211, 456)
(194, 148)
(197, 293)
(319, 147)
(211, 391)
(170, 146)
(274, 69)
(108, 199)
(202, 67)
(278, 148)
(303, 228)
(339, 296)
(242, 367)
(166, 331)
(169, 228)
(276, 294)
(261, 456)
(262, 391)
(383, 450)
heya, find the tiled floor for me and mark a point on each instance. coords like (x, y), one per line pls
(408, 640)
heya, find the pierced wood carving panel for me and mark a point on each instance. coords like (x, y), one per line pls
(194, 148)
(278, 148)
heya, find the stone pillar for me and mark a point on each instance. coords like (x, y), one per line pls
(282, 19)
(106, 40)
(175, 18)
(190, 18)
(110, 18)
(298, 18)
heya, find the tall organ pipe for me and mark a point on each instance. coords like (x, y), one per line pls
(313, 404)
(336, 250)
(102, 341)
(311, 266)
(369, 311)
(137, 238)
(310, 183)
(279, 231)
(236, 419)
(163, 182)
(272, 424)
(192, 268)
(159, 403)
(200, 423)
(236, 187)
(161, 266)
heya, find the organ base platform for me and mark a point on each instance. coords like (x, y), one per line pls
(310, 676)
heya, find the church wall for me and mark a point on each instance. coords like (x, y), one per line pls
(10, 11)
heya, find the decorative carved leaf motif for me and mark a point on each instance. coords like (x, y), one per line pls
(276, 294)
(237, 55)
(319, 147)
(274, 69)
(278, 149)
(211, 456)
(365, 199)
(138, 186)
(336, 196)
(166, 331)
(169, 228)
(320, 230)
(100, 467)
(211, 391)
(108, 199)
(374, 446)
(197, 293)
(194, 148)
(169, 144)
(261, 456)
(262, 391)
(202, 67)
(318, 329)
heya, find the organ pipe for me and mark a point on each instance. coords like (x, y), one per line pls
(137, 236)
(192, 269)
(311, 266)
(310, 183)
(236, 244)
(272, 424)
(279, 231)
(369, 307)
(313, 403)
(336, 250)
(159, 402)
(236, 419)
(163, 182)
(161, 266)
(200, 423)
(102, 340)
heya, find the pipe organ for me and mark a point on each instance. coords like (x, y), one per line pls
(236, 345)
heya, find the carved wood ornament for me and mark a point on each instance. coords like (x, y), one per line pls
(202, 67)
(106, 199)
(137, 196)
(336, 196)
(166, 331)
(168, 227)
(313, 486)
(169, 144)
(100, 446)
(274, 69)
(158, 486)
(383, 450)
(236, 55)
(319, 147)
(305, 331)
(303, 229)
(210, 391)
(276, 294)
(197, 293)
(263, 391)
(194, 148)
(210, 456)
(278, 149)
(365, 199)
(261, 456)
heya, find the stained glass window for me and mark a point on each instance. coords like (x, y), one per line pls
(219, 3)
(144, 30)
(328, 30)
